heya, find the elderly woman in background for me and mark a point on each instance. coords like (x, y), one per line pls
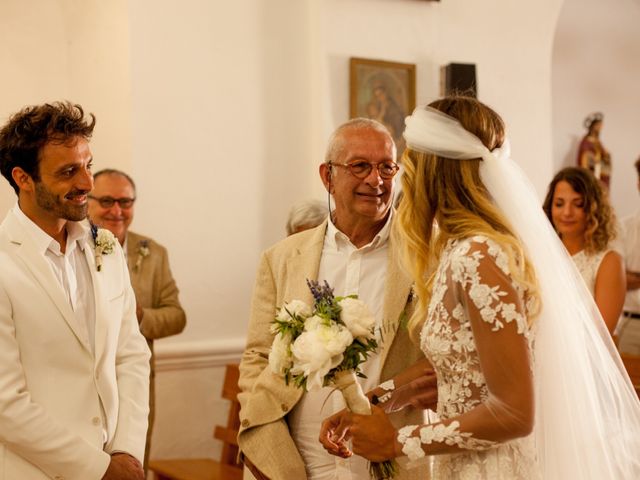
(580, 212)
(305, 215)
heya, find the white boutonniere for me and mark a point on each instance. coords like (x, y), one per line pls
(143, 252)
(104, 242)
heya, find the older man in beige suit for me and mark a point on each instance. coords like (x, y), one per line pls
(157, 305)
(353, 251)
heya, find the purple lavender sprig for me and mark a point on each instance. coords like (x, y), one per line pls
(325, 305)
(321, 292)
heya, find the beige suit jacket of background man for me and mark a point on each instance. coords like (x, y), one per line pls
(54, 387)
(265, 399)
(157, 293)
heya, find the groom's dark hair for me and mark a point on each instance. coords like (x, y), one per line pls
(27, 131)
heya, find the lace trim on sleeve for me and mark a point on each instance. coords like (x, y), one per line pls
(440, 433)
(389, 387)
(488, 299)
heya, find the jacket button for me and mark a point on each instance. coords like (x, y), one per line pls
(245, 423)
(95, 421)
(284, 408)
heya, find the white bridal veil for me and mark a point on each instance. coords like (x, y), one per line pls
(587, 412)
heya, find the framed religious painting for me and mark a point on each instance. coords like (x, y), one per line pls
(384, 91)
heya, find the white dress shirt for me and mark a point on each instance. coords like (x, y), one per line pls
(348, 270)
(71, 270)
(628, 245)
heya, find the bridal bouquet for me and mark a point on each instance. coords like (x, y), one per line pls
(324, 345)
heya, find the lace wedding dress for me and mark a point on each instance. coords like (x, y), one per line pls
(475, 335)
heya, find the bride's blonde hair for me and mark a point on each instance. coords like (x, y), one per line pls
(450, 193)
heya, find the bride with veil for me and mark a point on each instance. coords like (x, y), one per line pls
(530, 385)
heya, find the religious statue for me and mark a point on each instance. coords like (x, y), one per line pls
(591, 153)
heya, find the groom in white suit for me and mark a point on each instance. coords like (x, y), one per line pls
(74, 368)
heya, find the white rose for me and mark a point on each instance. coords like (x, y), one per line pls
(280, 354)
(336, 338)
(293, 308)
(313, 323)
(310, 359)
(317, 350)
(357, 317)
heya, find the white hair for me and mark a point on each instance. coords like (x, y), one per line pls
(307, 213)
(336, 141)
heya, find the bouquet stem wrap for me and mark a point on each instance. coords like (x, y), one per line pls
(357, 402)
(354, 397)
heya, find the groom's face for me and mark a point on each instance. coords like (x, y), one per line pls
(65, 180)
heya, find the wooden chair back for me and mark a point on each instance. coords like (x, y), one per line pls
(229, 434)
(227, 468)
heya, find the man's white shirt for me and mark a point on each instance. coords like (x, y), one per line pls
(628, 245)
(348, 270)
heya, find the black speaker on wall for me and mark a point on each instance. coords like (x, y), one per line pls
(460, 78)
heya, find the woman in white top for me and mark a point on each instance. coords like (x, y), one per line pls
(581, 215)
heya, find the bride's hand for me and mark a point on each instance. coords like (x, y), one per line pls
(421, 393)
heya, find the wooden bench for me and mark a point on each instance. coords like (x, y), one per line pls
(632, 364)
(205, 468)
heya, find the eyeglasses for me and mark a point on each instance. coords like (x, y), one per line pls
(362, 169)
(108, 202)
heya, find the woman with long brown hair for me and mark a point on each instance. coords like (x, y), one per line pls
(579, 210)
(529, 383)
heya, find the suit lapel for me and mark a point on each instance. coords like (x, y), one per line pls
(303, 265)
(97, 279)
(397, 289)
(43, 274)
(132, 251)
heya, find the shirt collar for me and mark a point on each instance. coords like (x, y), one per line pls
(336, 238)
(76, 232)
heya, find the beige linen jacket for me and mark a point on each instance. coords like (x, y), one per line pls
(157, 293)
(53, 385)
(156, 290)
(265, 399)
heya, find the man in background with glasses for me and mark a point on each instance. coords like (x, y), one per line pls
(111, 206)
(353, 252)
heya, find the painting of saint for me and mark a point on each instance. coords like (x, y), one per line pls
(383, 91)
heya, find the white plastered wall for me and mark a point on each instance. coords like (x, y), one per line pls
(596, 67)
(69, 50)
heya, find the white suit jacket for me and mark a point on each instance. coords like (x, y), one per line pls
(52, 385)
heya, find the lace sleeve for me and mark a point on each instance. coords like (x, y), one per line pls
(490, 358)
